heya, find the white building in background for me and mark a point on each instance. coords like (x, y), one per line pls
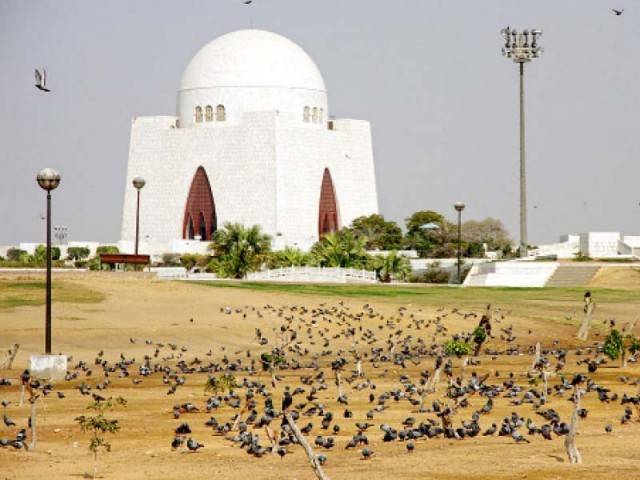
(600, 244)
(252, 143)
(592, 244)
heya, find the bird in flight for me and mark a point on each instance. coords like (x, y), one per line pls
(248, 2)
(41, 80)
(617, 12)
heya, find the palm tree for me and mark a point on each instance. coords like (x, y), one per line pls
(239, 250)
(340, 249)
(393, 266)
(288, 257)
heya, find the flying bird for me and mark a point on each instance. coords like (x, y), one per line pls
(248, 2)
(41, 80)
(617, 12)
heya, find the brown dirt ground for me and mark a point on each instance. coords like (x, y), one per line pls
(147, 309)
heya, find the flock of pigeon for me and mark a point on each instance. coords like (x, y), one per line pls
(320, 371)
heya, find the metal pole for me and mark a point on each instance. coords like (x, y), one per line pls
(137, 220)
(523, 173)
(459, 244)
(48, 294)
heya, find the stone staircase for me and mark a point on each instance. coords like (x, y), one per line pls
(572, 276)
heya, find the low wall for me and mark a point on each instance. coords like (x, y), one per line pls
(511, 274)
(314, 275)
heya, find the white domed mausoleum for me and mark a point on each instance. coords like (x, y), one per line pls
(252, 143)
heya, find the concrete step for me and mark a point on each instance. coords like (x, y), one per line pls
(572, 276)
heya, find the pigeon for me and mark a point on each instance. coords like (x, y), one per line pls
(617, 12)
(193, 445)
(367, 453)
(41, 80)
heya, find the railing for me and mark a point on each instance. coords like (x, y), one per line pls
(314, 274)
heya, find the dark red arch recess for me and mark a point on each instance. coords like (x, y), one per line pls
(200, 208)
(328, 212)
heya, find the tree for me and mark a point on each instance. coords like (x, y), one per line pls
(239, 250)
(341, 249)
(17, 255)
(192, 260)
(392, 266)
(490, 231)
(40, 254)
(288, 257)
(78, 253)
(432, 243)
(98, 425)
(377, 233)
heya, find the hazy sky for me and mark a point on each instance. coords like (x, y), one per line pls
(427, 74)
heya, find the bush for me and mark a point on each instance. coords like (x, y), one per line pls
(435, 274)
(191, 260)
(17, 255)
(457, 347)
(78, 253)
(81, 263)
(581, 257)
(633, 344)
(479, 334)
(171, 260)
(613, 344)
(40, 254)
(107, 249)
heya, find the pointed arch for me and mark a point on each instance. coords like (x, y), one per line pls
(200, 211)
(328, 208)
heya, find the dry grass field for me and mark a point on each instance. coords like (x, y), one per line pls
(118, 313)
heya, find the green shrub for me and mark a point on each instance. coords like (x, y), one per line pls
(78, 253)
(17, 255)
(81, 263)
(613, 344)
(107, 249)
(633, 344)
(580, 257)
(435, 274)
(171, 260)
(479, 334)
(457, 347)
(222, 384)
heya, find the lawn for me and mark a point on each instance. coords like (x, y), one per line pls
(29, 292)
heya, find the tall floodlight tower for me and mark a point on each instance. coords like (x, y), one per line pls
(522, 48)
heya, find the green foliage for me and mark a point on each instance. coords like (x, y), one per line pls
(457, 347)
(613, 344)
(40, 254)
(17, 255)
(580, 257)
(377, 233)
(239, 250)
(392, 266)
(192, 260)
(632, 343)
(489, 231)
(473, 250)
(81, 263)
(435, 274)
(341, 249)
(170, 260)
(224, 383)
(271, 360)
(98, 424)
(288, 257)
(107, 249)
(78, 253)
(479, 334)
(428, 243)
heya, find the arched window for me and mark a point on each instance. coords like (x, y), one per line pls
(203, 227)
(190, 232)
(221, 114)
(315, 115)
(305, 115)
(198, 114)
(208, 113)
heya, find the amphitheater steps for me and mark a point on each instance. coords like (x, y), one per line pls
(572, 276)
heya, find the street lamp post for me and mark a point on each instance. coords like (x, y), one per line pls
(459, 206)
(522, 48)
(138, 183)
(48, 179)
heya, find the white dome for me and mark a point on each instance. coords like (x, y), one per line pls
(250, 71)
(252, 58)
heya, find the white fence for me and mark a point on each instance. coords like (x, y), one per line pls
(314, 275)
